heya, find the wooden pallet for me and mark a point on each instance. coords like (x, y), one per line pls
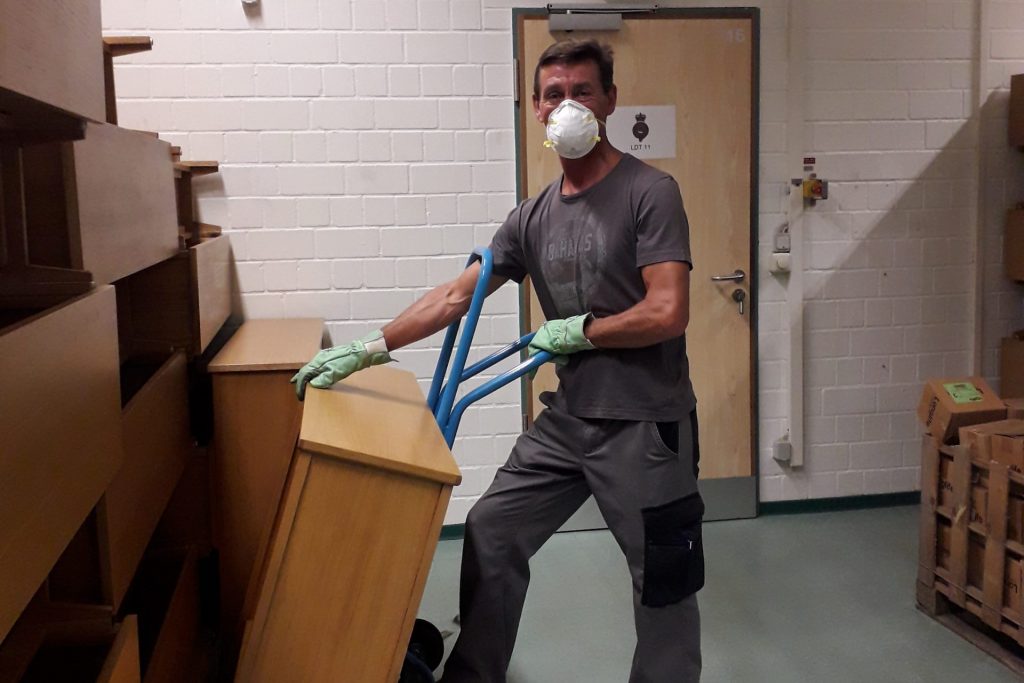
(966, 624)
(979, 614)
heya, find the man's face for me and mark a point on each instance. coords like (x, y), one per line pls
(580, 82)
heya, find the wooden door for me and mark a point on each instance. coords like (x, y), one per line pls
(702, 63)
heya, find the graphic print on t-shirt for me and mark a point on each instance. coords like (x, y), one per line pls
(573, 260)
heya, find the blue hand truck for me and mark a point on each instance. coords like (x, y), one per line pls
(426, 647)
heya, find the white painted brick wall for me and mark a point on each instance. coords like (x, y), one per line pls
(367, 145)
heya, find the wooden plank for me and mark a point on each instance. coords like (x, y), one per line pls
(126, 218)
(174, 657)
(185, 204)
(961, 472)
(995, 544)
(157, 443)
(122, 664)
(257, 418)
(109, 87)
(197, 168)
(119, 46)
(61, 426)
(929, 503)
(270, 344)
(51, 53)
(270, 568)
(210, 265)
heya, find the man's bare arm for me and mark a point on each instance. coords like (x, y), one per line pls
(437, 309)
(663, 313)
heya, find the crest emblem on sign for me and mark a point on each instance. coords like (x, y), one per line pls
(640, 128)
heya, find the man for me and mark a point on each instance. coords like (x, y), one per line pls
(607, 248)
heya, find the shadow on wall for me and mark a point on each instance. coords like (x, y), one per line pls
(889, 268)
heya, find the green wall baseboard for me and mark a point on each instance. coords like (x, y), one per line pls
(784, 507)
(882, 500)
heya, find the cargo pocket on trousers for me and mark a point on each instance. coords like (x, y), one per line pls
(673, 551)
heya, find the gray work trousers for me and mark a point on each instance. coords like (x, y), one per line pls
(647, 494)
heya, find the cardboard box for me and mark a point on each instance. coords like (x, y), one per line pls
(1011, 365)
(1014, 408)
(978, 438)
(1015, 519)
(1009, 451)
(947, 487)
(949, 404)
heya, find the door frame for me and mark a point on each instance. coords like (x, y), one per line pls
(726, 498)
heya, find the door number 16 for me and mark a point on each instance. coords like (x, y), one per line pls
(735, 35)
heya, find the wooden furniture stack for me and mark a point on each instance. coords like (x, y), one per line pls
(1011, 355)
(335, 592)
(101, 313)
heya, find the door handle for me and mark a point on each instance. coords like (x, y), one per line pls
(736, 276)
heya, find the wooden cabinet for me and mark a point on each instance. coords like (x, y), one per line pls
(60, 425)
(181, 302)
(105, 204)
(51, 63)
(256, 417)
(354, 536)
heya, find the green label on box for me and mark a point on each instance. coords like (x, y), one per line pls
(963, 392)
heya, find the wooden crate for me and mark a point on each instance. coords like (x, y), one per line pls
(60, 421)
(105, 204)
(51, 66)
(182, 302)
(59, 643)
(969, 571)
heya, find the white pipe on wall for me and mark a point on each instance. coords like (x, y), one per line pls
(795, 288)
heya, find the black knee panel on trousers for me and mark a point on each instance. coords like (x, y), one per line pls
(673, 551)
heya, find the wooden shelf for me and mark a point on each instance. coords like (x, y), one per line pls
(83, 203)
(62, 430)
(182, 302)
(118, 46)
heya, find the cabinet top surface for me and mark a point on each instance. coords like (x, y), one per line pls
(378, 417)
(272, 344)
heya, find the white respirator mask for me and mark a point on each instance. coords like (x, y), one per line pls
(572, 130)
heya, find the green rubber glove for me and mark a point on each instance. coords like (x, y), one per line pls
(336, 363)
(562, 337)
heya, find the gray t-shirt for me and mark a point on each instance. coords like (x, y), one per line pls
(584, 253)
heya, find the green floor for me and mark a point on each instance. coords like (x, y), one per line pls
(806, 597)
